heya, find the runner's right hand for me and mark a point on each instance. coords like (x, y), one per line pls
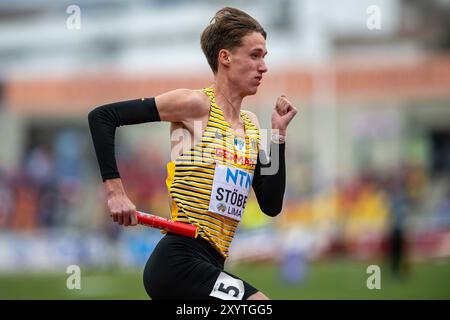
(122, 210)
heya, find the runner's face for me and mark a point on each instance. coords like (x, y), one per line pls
(247, 64)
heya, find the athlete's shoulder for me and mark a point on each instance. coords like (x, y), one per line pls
(196, 101)
(193, 95)
(180, 104)
(188, 97)
(253, 118)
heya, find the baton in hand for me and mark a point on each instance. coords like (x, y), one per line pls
(168, 225)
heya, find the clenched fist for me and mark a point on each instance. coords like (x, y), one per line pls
(121, 209)
(282, 114)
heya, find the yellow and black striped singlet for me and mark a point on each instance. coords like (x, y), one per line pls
(191, 175)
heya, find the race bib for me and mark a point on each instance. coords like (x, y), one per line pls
(230, 191)
(228, 288)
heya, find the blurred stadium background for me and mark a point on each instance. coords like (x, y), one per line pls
(368, 155)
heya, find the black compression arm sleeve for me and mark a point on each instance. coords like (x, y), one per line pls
(269, 189)
(103, 122)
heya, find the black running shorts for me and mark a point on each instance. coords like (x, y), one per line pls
(191, 269)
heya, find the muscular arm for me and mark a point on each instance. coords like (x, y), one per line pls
(269, 189)
(103, 122)
(174, 106)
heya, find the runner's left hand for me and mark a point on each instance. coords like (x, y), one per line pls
(282, 114)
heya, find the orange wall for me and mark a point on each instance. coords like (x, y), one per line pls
(425, 78)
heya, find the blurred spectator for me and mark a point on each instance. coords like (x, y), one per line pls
(6, 199)
(39, 168)
(24, 217)
(295, 254)
(441, 210)
(399, 210)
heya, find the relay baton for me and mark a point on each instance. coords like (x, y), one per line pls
(168, 225)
